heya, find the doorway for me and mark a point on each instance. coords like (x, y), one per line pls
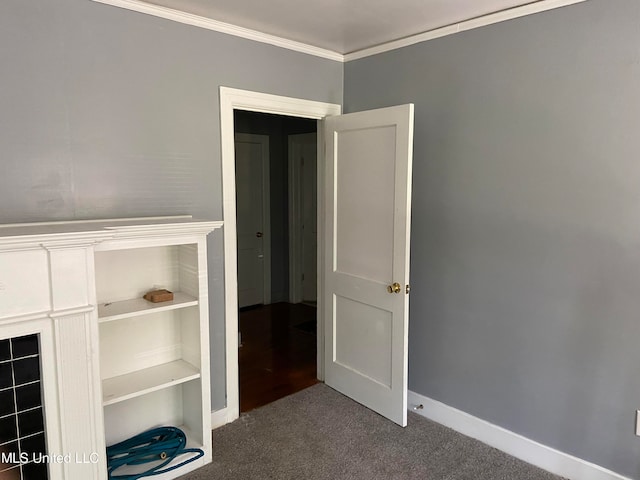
(351, 140)
(276, 201)
(231, 100)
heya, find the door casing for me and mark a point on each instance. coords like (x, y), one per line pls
(234, 99)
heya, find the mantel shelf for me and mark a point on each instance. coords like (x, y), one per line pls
(131, 385)
(108, 312)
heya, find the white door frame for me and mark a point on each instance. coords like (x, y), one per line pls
(233, 99)
(263, 141)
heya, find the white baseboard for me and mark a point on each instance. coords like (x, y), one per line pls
(222, 417)
(530, 451)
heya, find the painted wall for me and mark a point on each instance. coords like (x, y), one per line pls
(110, 113)
(525, 266)
(278, 128)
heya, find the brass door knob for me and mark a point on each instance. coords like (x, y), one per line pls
(394, 288)
(259, 234)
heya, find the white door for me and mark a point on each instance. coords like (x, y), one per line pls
(252, 207)
(367, 215)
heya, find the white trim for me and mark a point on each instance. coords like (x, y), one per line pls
(530, 451)
(233, 99)
(220, 418)
(171, 218)
(230, 29)
(222, 27)
(320, 188)
(484, 20)
(263, 140)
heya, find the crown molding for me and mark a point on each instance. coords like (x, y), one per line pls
(222, 27)
(230, 29)
(477, 22)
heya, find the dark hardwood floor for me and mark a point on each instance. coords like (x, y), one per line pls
(278, 352)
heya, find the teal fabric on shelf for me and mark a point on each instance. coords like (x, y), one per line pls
(159, 445)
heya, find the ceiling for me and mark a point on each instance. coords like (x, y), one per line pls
(342, 26)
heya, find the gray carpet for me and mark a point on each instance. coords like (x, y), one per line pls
(320, 434)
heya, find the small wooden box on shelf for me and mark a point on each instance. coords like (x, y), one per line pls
(157, 296)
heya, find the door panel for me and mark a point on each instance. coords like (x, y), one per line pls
(367, 227)
(362, 328)
(365, 202)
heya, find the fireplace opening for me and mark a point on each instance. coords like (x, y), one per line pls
(22, 432)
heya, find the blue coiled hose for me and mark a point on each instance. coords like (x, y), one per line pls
(162, 444)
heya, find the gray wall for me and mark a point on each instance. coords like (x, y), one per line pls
(107, 113)
(525, 266)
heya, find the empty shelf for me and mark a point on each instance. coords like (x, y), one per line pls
(147, 380)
